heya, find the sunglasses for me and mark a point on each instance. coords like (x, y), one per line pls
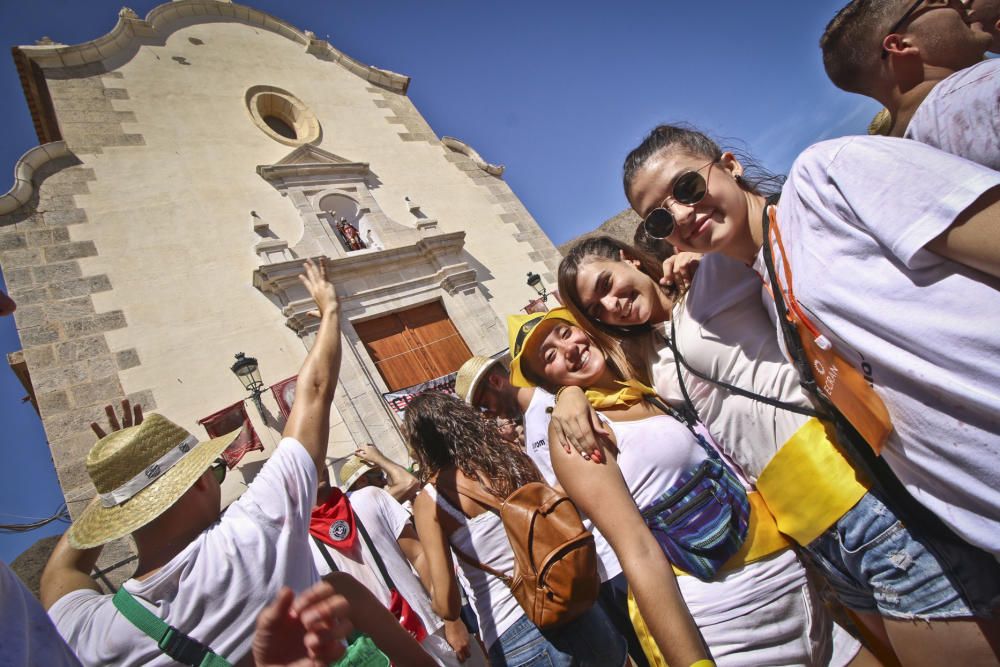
(928, 4)
(219, 470)
(689, 189)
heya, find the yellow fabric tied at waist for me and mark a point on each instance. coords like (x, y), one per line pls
(646, 640)
(763, 538)
(809, 484)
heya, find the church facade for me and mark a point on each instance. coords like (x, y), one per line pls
(188, 163)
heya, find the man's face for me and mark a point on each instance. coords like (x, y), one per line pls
(985, 16)
(496, 397)
(946, 37)
(373, 477)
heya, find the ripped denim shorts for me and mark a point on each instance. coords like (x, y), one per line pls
(874, 564)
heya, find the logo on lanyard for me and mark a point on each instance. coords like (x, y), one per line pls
(340, 530)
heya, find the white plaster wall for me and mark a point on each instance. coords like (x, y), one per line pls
(171, 220)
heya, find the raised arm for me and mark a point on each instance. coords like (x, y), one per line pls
(441, 584)
(974, 238)
(68, 570)
(309, 422)
(599, 491)
(403, 485)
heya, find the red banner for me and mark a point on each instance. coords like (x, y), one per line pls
(284, 394)
(227, 420)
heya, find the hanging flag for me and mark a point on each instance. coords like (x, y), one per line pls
(399, 399)
(228, 420)
(284, 394)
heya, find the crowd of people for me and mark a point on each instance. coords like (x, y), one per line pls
(776, 414)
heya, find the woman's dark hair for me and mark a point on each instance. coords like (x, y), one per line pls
(624, 346)
(444, 431)
(687, 139)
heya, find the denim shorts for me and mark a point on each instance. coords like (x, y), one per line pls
(588, 641)
(874, 564)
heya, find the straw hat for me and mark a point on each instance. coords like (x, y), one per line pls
(139, 473)
(881, 123)
(470, 374)
(520, 331)
(353, 468)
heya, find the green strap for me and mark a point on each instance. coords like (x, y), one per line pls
(169, 639)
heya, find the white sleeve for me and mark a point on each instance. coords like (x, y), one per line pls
(391, 512)
(284, 489)
(901, 192)
(81, 615)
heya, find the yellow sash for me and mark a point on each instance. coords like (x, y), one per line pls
(809, 484)
(646, 640)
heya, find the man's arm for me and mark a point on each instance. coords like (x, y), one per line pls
(974, 238)
(309, 422)
(68, 570)
(403, 485)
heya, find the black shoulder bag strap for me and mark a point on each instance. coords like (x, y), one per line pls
(374, 552)
(324, 551)
(679, 361)
(974, 572)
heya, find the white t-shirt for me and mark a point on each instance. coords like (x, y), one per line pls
(214, 589)
(653, 454)
(961, 115)
(536, 440)
(723, 331)
(384, 519)
(484, 538)
(855, 215)
(28, 637)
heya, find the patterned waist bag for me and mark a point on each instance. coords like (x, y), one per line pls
(701, 521)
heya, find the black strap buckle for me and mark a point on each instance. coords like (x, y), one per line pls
(182, 648)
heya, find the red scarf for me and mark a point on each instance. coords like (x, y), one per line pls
(333, 522)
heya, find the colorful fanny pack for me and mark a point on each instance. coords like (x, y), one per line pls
(701, 521)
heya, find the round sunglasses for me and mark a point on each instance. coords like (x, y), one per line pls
(689, 189)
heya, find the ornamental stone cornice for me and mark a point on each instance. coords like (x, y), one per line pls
(24, 170)
(278, 173)
(438, 257)
(131, 31)
(459, 146)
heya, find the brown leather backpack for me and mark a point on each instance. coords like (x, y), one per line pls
(555, 561)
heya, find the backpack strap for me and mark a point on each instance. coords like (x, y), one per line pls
(453, 500)
(169, 639)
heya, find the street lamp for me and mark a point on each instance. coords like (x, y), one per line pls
(248, 373)
(535, 283)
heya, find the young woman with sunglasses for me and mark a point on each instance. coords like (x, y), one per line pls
(758, 609)
(724, 334)
(450, 438)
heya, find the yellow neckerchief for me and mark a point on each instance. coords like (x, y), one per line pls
(632, 392)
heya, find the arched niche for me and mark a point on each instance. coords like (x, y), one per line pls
(337, 209)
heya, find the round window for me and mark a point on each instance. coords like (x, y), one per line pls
(282, 116)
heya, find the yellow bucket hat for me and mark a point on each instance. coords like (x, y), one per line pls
(519, 331)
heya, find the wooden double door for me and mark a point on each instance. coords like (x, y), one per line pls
(413, 346)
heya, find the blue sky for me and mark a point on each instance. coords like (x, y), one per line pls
(556, 91)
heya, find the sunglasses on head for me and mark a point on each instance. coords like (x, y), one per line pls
(219, 470)
(689, 188)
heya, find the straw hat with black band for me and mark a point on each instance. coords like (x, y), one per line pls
(522, 331)
(139, 473)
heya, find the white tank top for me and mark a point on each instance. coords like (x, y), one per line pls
(483, 538)
(536, 441)
(653, 453)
